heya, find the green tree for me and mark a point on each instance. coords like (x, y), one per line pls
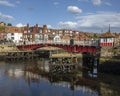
(95, 36)
(2, 28)
(9, 24)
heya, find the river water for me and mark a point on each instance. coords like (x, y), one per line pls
(33, 78)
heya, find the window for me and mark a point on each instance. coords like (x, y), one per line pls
(57, 38)
(12, 38)
(12, 33)
(77, 32)
(28, 31)
(105, 40)
(48, 30)
(40, 31)
(110, 39)
(30, 36)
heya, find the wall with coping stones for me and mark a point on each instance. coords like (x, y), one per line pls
(110, 51)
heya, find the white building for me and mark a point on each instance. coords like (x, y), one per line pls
(57, 38)
(14, 34)
(107, 39)
(15, 37)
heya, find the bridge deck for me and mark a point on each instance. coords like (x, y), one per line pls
(77, 46)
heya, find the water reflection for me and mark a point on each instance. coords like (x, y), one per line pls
(34, 78)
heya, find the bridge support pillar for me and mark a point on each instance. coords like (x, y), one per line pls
(90, 64)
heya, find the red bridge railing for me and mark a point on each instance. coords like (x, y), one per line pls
(76, 46)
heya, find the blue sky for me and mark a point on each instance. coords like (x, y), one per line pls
(81, 15)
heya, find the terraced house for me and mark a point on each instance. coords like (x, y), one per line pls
(14, 34)
(36, 33)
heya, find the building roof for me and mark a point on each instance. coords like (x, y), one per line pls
(13, 29)
(107, 34)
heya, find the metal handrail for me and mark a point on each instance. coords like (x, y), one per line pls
(63, 42)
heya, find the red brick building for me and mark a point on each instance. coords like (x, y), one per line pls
(37, 33)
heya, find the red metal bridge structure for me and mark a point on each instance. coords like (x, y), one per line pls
(91, 46)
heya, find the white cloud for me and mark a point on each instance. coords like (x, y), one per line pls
(74, 9)
(17, 2)
(99, 20)
(108, 3)
(6, 3)
(94, 2)
(67, 24)
(6, 17)
(84, 0)
(97, 2)
(49, 26)
(55, 3)
(100, 2)
(20, 25)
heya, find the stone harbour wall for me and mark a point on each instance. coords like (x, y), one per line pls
(109, 52)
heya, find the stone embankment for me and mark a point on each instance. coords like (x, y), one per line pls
(7, 48)
(11, 52)
(109, 52)
(110, 60)
(4, 48)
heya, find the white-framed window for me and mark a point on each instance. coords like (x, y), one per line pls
(77, 32)
(40, 31)
(105, 39)
(30, 36)
(12, 34)
(12, 38)
(57, 38)
(48, 30)
(28, 31)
